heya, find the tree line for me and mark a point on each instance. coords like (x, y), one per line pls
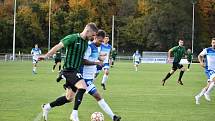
(152, 25)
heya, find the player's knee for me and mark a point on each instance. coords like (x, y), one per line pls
(172, 72)
(97, 96)
(69, 98)
(182, 69)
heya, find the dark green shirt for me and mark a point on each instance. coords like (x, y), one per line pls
(75, 49)
(114, 53)
(189, 56)
(58, 55)
(178, 52)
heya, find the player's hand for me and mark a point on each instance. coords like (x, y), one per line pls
(168, 60)
(42, 57)
(99, 63)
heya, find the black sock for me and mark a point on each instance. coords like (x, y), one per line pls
(180, 75)
(78, 98)
(59, 101)
(53, 67)
(188, 66)
(167, 76)
(59, 67)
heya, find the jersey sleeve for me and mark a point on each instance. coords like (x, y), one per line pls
(174, 48)
(68, 40)
(87, 53)
(204, 52)
(40, 52)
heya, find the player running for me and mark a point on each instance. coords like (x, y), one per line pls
(35, 52)
(91, 59)
(209, 65)
(57, 58)
(76, 45)
(189, 58)
(105, 50)
(136, 59)
(178, 52)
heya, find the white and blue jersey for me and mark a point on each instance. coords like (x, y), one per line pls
(106, 49)
(136, 58)
(209, 54)
(35, 52)
(88, 71)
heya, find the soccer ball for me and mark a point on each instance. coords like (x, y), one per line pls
(97, 116)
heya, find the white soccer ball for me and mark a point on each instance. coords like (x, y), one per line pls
(97, 116)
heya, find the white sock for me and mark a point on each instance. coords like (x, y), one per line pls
(210, 88)
(75, 113)
(34, 69)
(202, 92)
(104, 106)
(104, 79)
(136, 68)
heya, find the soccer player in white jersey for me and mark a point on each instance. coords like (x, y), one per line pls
(209, 65)
(105, 50)
(136, 59)
(91, 59)
(35, 52)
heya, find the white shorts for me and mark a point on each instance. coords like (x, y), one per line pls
(35, 61)
(211, 74)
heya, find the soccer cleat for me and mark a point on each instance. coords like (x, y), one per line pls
(207, 97)
(163, 82)
(45, 113)
(197, 100)
(116, 118)
(188, 69)
(103, 86)
(180, 82)
(52, 70)
(73, 118)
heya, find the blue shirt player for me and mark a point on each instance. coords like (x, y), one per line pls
(209, 65)
(91, 59)
(136, 59)
(35, 52)
(105, 51)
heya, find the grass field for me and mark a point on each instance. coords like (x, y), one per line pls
(135, 96)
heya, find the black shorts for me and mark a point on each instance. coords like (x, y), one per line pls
(57, 60)
(176, 66)
(72, 76)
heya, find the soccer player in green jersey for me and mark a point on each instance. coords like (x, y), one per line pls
(178, 52)
(57, 58)
(189, 58)
(113, 55)
(76, 45)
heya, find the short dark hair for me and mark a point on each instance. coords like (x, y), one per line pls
(93, 26)
(213, 39)
(101, 33)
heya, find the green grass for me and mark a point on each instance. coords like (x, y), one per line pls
(135, 96)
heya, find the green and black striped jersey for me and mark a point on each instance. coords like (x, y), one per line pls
(75, 49)
(179, 52)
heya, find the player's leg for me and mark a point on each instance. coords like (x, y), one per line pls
(53, 68)
(58, 102)
(181, 74)
(198, 96)
(59, 67)
(174, 68)
(34, 66)
(210, 87)
(81, 88)
(91, 89)
(188, 66)
(105, 77)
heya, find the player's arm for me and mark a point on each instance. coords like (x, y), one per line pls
(169, 53)
(201, 58)
(52, 51)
